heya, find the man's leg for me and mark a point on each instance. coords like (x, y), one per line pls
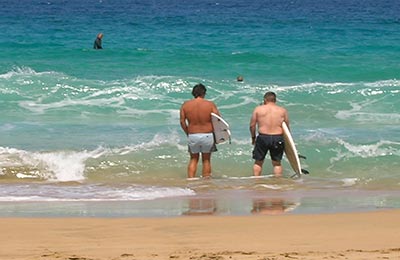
(277, 168)
(192, 166)
(206, 159)
(257, 168)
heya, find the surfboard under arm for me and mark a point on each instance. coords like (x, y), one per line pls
(291, 152)
(222, 132)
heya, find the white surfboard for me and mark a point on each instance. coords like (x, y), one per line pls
(291, 151)
(222, 132)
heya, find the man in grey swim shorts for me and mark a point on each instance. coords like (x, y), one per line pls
(201, 143)
(268, 117)
(195, 120)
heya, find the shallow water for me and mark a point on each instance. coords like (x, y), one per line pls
(81, 127)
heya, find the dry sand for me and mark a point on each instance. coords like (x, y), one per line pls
(372, 235)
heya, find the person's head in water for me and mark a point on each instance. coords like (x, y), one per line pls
(199, 90)
(239, 78)
(269, 97)
(100, 35)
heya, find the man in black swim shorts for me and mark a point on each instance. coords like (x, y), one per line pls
(268, 118)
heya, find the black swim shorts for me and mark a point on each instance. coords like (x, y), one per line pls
(275, 144)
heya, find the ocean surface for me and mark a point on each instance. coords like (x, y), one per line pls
(87, 132)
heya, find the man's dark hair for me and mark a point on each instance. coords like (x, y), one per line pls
(270, 97)
(199, 90)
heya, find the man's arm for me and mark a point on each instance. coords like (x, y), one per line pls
(182, 119)
(253, 123)
(215, 109)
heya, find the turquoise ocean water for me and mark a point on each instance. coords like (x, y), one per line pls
(88, 132)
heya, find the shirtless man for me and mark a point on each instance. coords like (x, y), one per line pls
(195, 120)
(268, 117)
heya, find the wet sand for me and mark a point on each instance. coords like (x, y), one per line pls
(370, 235)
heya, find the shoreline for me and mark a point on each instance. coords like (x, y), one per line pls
(217, 203)
(367, 235)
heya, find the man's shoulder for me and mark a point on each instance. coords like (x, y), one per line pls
(209, 102)
(192, 102)
(185, 104)
(258, 108)
(261, 106)
(188, 103)
(282, 108)
(276, 106)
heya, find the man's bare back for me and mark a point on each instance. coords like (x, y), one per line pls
(198, 114)
(269, 118)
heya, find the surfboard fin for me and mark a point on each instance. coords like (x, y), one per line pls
(302, 156)
(305, 171)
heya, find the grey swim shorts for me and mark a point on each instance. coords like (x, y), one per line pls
(201, 143)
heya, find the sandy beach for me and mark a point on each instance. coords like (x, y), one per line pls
(371, 235)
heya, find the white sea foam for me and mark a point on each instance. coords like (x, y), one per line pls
(364, 88)
(245, 101)
(389, 118)
(270, 186)
(56, 166)
(171, 138)
(40, 108)
(7, 91)
(155, 81)
(66, 166)
(134, 112)
(26, 176)
(315, 86)
(118, 94)
(89, 193)
(384, 83)
(323, 136)
(17, 71)
(361, 112)
(347, 182)
(379, 149)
